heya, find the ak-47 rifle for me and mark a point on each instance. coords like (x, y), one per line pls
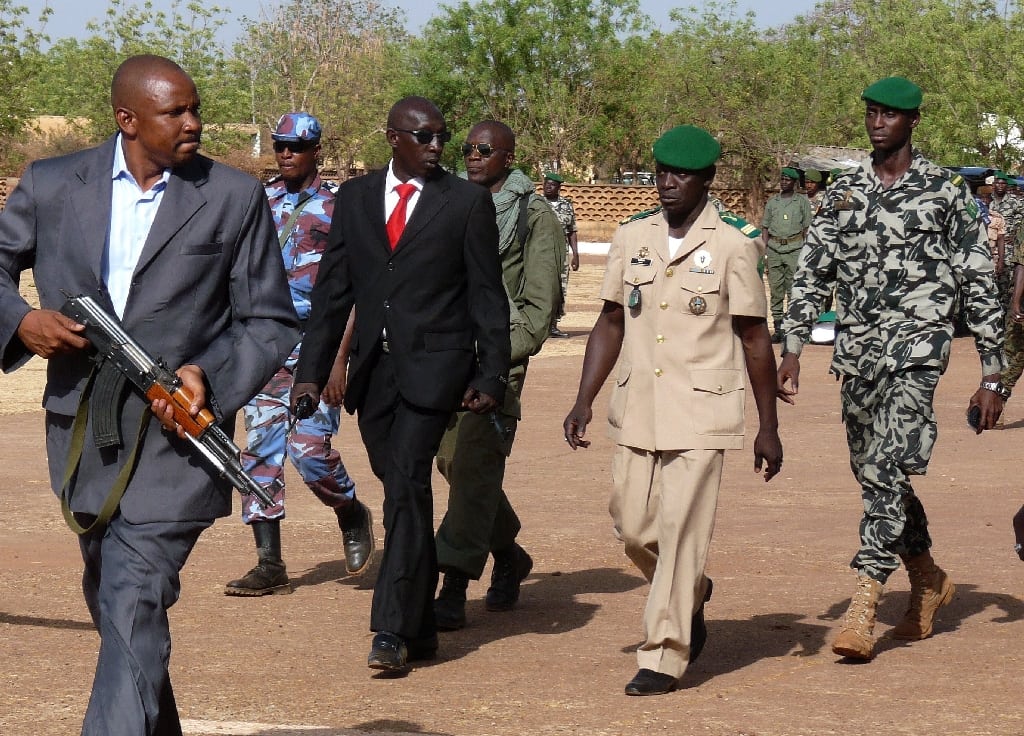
(153, 379)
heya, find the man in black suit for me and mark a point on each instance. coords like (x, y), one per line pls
(415, 251)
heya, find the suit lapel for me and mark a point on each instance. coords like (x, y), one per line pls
(180, 202)
(432, 200)
(373, 206)
(90, 200)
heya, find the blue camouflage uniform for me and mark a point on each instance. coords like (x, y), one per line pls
(266, 416)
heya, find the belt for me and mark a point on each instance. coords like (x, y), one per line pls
(787, 241)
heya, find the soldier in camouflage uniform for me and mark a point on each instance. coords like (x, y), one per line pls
(1013, 346)
(897, 236)
(567, 216)
(1012, 209)
(302, 204)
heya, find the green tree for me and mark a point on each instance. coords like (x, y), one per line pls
(528, 63)
(19, 65)
(77, 82)
(336, 59)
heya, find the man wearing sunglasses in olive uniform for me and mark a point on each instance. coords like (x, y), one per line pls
(480, 520)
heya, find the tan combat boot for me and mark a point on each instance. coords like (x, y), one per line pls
(930, 588)
(855, 638)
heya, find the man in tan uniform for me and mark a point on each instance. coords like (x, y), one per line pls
(685, 307)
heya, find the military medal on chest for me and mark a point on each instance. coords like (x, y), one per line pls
(702, 262)
(698, 305)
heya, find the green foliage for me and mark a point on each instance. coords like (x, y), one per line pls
(19, 64)
(528, 63)
(336, 59)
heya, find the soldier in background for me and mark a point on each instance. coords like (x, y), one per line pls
(567, 216)
(787, 216)
(815, 189)
(897, 235)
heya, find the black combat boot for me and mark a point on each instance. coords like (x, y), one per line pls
(269, 576)
(450, 606)
(511, 566)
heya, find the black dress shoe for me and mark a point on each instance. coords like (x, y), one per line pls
(698, 630)
(389, 653)
(649, 682)
(356, 525)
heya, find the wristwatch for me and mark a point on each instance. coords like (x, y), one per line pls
(996, 387)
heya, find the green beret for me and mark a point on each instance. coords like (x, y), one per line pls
(790, 173)
(895, 92)
(687, 147)
(812, 175)
(1005, 177)
(553, 177)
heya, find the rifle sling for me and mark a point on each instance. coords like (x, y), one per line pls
(109, 507)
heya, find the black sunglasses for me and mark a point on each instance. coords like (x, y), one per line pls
(484, 149)
(427, 136)
(294, 146)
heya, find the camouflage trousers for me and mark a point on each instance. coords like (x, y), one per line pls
(1013, 353)
(890, 429)
(308, 447)
(563, 280)
(781, 269)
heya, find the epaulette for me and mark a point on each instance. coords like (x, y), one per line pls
(272, 181)
(957, 180)
(740, 224)
(641, 215)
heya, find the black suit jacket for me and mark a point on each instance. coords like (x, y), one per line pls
(439, 294)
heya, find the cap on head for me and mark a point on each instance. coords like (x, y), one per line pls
(790, 173)
(812, 175)
(554, 177)
(687, 147)
(297, 126)
(894, 92)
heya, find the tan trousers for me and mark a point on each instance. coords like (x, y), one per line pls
(663, 505)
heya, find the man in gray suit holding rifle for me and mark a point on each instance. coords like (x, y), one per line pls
(183, 251)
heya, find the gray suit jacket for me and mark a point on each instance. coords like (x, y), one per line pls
(209, 289)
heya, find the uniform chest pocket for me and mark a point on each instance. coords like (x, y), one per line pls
(700, 293)
(924, 235)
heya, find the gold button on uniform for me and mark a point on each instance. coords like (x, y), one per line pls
(657, 372)
(700, 289)
(660, 338)
(663, 305)
(670, 271)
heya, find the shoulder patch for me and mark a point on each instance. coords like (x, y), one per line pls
(740, 224)
(957, 180)
(641, 215)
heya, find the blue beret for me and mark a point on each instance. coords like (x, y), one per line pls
(687, 147)
(895, 92)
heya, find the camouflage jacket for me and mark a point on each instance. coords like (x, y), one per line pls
(562, 208)
(1012, 208)
(898, 258)
(306, 241)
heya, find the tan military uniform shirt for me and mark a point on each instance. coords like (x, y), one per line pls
(680, 376)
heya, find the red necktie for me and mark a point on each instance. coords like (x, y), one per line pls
(396, 223)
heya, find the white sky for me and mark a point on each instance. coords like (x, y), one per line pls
(71, 16)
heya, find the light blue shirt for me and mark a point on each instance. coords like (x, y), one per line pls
(132, 212)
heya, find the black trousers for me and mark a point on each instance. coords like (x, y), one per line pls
(401, 441)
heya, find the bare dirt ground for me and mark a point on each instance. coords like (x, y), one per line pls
(295, 664)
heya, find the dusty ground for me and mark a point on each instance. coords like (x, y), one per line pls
(296, 664)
